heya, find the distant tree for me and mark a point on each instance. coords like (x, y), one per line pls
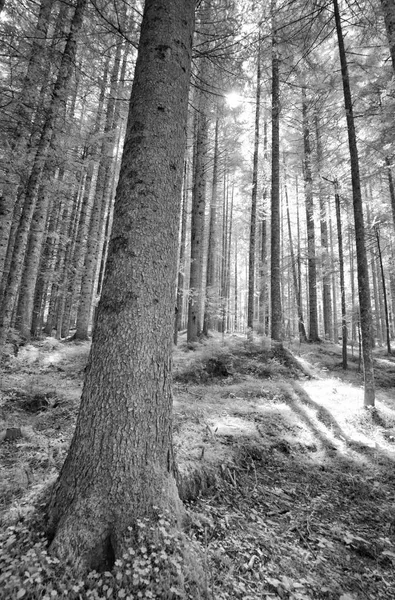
(254, 196)
(362, 265)
(275, 277)
(120, 464)
(309, 202)
(31, 192)
(195, 320)
(388, 7)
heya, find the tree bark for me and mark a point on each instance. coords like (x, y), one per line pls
(120, 463)
(362, 264)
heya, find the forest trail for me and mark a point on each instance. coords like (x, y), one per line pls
(289, 482)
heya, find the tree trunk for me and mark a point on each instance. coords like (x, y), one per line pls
(342, 283)
(387, 324)
(120, 463)
(181, 257)
(391, 187)
(325, 261)
(311, 260)
(211, 305)
(275, 277)
(198, 214)
(301, 327)
(388, 7)
(58, 99)
(98, 214)
(254, 195)
(362, 264)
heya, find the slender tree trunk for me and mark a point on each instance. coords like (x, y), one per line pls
(211, 305)
(387, 324)
(120, 464)
(98, 214)
(362, 264)
(301, 327)
(229, 247)
(312, 264)
(388, 7)
(26, 105)
(236, 294)
(58, 98)
(342, 282)
(391, 186)
(254, 196)
(275, 278)
(325, 261)
(181, 258)
(198, 213)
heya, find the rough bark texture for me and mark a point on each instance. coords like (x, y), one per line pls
(275, 278)
(362, 264)
(120, 463)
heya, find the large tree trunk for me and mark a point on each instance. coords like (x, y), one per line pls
(120, 463)
(362, 263)
(275, 276)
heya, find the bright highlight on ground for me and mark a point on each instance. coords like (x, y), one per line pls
(233, 99)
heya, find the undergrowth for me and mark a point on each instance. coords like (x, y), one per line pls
(158, 562)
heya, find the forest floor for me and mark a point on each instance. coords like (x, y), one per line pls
(289, 482)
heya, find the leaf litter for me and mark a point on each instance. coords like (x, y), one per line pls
(288, 481)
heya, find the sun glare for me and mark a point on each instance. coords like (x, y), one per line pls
(233, 99)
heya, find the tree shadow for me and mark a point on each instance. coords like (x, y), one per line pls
(326, 417)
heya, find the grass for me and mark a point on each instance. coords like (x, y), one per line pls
(288, 481)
